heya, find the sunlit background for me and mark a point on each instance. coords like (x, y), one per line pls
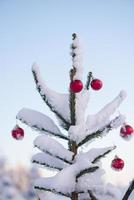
(41, 31)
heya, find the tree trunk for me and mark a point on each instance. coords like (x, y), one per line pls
(74, 147)
(74, 196)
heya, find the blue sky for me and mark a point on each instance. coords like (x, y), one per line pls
(41, 31)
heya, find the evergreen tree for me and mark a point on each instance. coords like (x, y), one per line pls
(79, 175)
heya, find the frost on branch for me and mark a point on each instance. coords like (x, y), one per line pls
(53, 148)
(53, 98)
(39, 122)
(49, 161)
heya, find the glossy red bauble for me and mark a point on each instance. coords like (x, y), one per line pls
(18, 133)
(76, 86)
(96, 84)
(117, 163)
(126, 131)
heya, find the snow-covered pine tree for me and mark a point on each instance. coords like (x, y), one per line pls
(78, 174)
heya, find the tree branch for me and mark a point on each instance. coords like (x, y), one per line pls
(65, 123)
(86, 171)
(52, 190)
(129, 191)
(103, 155)
(89, 77)
(37, 128)
(47, 152)
(97, 134)
(92, 197)
(46, 165)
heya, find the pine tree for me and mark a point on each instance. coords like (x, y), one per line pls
(78, 174)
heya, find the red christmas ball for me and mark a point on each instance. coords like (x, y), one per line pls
(117, 163)
(76, 86)
(18, 133)
(126, 131)
(96, 84)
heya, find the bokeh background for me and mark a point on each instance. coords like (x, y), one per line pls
(40, 31)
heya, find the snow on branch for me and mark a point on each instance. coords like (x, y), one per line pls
(53, 148)
(86, 171)
(76, 57)
(49, 161)
(82, 100)
(87, 136)
(64, 182)
(57, 102)
(101, 119)
(99, 192)
(103, 153)
(94, 154)
(91, 195)
(40, 186)
(51, 196)
(39, 122)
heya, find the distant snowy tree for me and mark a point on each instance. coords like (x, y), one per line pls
(32, 175)
(8, 191)
(79, 175)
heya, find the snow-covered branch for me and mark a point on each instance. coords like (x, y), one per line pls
(39, 122)
(103, 154)
(89, 77)
(86, 171)
(115, 123)
(53, 190)
(91, 195)
(77, 57)
(49, 161)
(52, 99)
(53, 148)
(102, 118)
(94, 154)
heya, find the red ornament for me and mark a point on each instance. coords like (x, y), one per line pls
(117, 163)
(96, 84)
(126, 131)
(76, 86)
(18, 133)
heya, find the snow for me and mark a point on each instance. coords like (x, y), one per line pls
(51, 196)
(65, 181)
(77, 132)
(46, 159)
(118, 121)
(99, 120)
(38, 121)
(93, 153)
(82, 100)
(52, 147)
(53, 97)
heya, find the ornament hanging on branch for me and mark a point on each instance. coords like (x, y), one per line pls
(126, 131)
(17, 133)
(76, 86)
(117, 163)
(96, 84)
